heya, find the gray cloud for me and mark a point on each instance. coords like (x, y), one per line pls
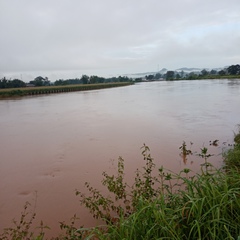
(114, 37)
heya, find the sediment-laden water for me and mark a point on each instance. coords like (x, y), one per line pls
(51, 144)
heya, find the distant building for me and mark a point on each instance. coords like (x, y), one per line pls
(30, 85)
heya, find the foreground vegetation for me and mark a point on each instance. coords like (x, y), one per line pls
(160, 204)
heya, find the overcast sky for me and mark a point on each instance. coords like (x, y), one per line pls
(68, 38)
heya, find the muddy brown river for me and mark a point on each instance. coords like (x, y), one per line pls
(51, 144)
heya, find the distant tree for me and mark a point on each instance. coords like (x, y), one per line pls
(18, 83)
(149, 77)
(213, 72)
(182, 74)
(233, 69)
(178, 76)
(68, 81)
(169, 75)
(15, 83)
(93, 79)
(204, 72)
(138, 79)
(158, 76)
(222, 72)
(101, 80)
(40, 81)
(112, 79)
(85, 79)
(59, 82)
(123, 79)
(3, 83)
(89, 80)
(192, 75)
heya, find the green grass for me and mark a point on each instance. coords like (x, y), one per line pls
(176, 206)
(207, 207)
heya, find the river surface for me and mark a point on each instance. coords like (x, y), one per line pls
(51, 144)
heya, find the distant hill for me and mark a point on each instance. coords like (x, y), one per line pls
(185, 69)
(164, 70)
(137, 75)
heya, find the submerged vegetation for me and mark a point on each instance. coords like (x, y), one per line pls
(159, 204)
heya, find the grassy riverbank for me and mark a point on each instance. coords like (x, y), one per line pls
(16, 92)
(160, 204)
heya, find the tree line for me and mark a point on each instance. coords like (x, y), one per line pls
(15, 83)
(44, 81)
(91, 80)
(232, 70)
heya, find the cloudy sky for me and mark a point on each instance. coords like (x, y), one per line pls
(68, 38)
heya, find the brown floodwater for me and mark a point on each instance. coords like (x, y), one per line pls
(51, 144)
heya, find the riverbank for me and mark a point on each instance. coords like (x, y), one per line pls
(28, 91)
(209, 77)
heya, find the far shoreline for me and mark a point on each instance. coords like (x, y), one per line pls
(9, 93)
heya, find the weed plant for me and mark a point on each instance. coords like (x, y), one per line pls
(232, 157)
(22, 228)
(168, 206)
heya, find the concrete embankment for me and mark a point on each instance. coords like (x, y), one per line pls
(15, 92)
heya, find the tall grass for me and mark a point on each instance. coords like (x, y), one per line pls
(172, 206)
(232, 157)
(208, 207)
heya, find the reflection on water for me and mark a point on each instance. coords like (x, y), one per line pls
(52, 144)
(233, 82)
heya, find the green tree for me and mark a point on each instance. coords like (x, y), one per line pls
(169, 75)
(138, 79)
(192, 75)
(59, 82)
(3, 83)
(178, 76)
(182, 74)
(204, 72)
(123, 79)
(18, 83)
(93, 79)
(85, 79)
(149, 77)
(158, 76)
(213, 72)
(15, 83)
(234, 69)
(40, 81)
(222, 72)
